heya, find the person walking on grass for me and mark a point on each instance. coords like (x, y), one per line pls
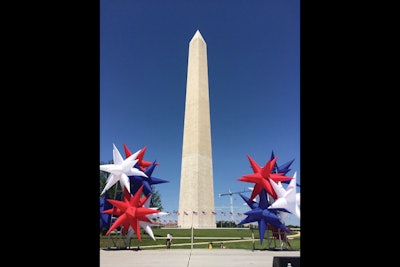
(169, 240)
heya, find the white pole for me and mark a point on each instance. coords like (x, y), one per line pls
(231, 200)
(191, 238)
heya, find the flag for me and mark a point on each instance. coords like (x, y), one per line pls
(223, 213)
(204, 213)
(185, 213)
(214, 213)
(195, 212)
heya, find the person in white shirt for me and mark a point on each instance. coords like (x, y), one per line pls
(169, 240)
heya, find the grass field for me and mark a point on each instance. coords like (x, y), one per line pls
(232, 238)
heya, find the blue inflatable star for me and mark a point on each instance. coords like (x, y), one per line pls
(104, 218)
(137, 181)
(283, 168)
(252, 204)
(263, 216)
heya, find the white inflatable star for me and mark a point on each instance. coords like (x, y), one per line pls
(121, 169)
(287, 198)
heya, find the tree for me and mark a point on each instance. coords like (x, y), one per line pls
(155, 201)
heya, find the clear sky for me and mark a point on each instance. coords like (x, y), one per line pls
(253, 51)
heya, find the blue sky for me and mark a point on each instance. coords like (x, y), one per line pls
(253, 50)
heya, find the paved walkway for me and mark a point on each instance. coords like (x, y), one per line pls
(193, 258)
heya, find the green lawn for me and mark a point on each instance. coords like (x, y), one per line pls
(233, 238)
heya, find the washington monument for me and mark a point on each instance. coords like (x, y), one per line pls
(196, 198)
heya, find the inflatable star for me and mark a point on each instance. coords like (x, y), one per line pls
(131, 212)
(126, 197)
(283, 169)
(104, 218)
(286, 200)
(262, 177)
(263, 216)
(141, 164)
(137, 181)
(146, 225)
(254, 204)
(120, 170)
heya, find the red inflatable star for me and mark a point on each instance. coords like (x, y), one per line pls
(143, 164)
(130, 212)
(261, 177)
(126, 198)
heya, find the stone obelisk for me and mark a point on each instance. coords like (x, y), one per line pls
(196, 198)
